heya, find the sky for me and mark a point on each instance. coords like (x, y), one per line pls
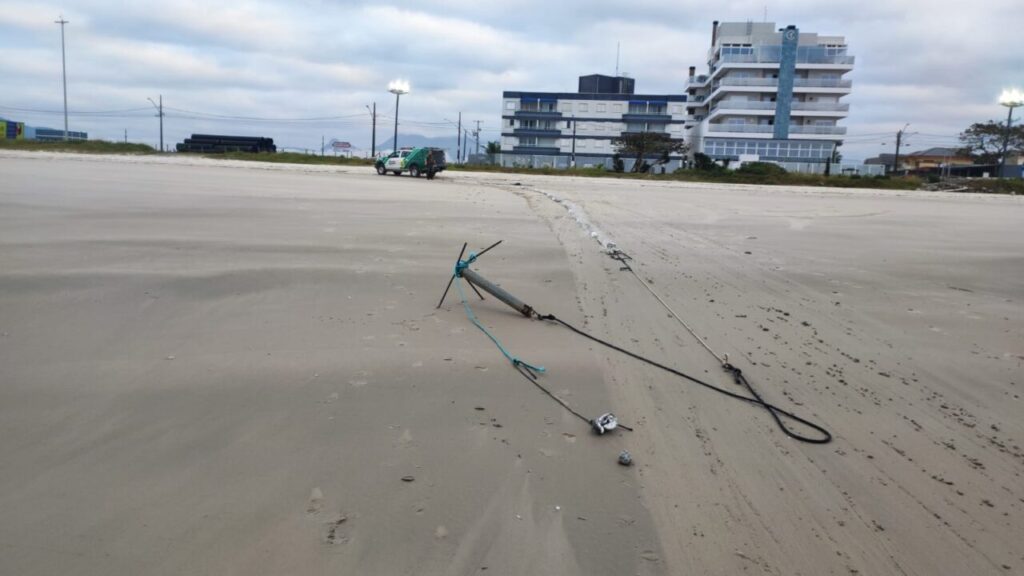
(302, 70)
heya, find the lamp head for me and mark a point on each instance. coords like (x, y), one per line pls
(398, 86)
(1012, 98)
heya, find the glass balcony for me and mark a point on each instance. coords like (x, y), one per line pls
(743, 105)
(538, 114)
(538, 132)
(742, 81)
(529, 149)
(742, 128)
(821, 83)
(821, 106)
(773, 54)
(817, 130)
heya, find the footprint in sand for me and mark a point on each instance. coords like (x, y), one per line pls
(316, 501)
(333, 531)
(406, 437)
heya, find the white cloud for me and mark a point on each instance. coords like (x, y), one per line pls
(938, 68)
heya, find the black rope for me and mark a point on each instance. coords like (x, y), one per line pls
(529, 375)
(737, 375)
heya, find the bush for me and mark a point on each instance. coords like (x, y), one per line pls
(761, 169)
(702, 161)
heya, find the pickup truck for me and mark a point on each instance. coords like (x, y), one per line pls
(411, 160)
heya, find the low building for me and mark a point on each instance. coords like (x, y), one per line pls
(12, 130)
(923, 160)
(559, 129)
(770, 94)
(54, 134)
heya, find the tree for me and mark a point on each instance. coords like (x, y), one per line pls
(702, 161)
(984, 141)
(617, 164)
(493, 149)
(645, 144)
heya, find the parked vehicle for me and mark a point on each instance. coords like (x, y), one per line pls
(415, 161)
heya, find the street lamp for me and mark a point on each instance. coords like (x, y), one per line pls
(397, 87)
(160, 113)
(1011, 99)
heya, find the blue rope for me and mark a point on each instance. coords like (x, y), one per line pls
(462, 265)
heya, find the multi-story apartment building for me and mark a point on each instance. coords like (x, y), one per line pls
(771, 94)
(558, 128)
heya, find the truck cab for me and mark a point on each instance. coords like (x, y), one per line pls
(394, 162)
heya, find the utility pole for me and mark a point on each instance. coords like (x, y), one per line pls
(899, 141)
(476, 134)
(64, 72)
(322, 146)
(125, 135)
(373, 135)
(458, 140)
(160, 113)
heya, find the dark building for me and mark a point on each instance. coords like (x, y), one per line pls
(601, 84)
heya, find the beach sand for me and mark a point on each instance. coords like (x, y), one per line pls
(230, 368)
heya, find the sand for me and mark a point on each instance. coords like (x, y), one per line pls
(228, 368)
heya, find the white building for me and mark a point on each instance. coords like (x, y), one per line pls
(769, 95)
(556, 128)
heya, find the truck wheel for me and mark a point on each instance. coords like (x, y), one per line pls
(414, 171)
(381, 170)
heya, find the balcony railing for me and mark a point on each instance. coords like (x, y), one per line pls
(538, 114)
(821, 106)
(643, 117)
(743, 105)
(539, 132)
(762, 58)
(768, 129)
(536, 149)
(817, 130)
(797, 82)
(821, 83)
(744, 128)
(739, 81)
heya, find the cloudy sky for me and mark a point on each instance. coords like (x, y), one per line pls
(301, 69)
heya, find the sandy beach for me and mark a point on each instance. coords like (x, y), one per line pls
(230, 368)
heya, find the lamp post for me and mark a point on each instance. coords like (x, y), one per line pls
(397, 87)
(160, 113)
(63, 73)
(1011, 99)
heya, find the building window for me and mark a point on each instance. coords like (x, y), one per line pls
(510, 105)
(617, 108)
(582, 107)
(581, 143)
(601, 107)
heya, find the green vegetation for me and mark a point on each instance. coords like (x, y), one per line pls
(80, 146)
(983, 141)
(294, 158)
(990, 185)
(755, 175)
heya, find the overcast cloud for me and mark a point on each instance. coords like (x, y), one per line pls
(938, 65)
